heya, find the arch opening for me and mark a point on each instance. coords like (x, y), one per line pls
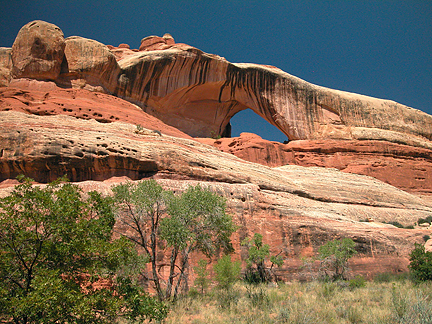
(249, 121)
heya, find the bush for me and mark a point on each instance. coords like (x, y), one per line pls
(420, 263)
(227, 272)
(258, 253)
(334, 256)
(357, 282)
(425, 220)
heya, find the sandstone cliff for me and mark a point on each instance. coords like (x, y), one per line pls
(103, 114)
(408, 167)
(198, 93)
(296, 208)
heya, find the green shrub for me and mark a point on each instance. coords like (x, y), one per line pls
(258, 253)
(425, 220)
(395, 223)
(357, 282)
(420, 263)
(227, 272)
(426, 238)
(334, 256)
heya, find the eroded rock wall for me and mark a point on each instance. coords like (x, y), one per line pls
(198, 93)
(295, 208)
(404, 166)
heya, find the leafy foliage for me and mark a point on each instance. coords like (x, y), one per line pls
(258, 253)
(357, 282)
(334, 256)
(420, 263)
(428, 219)
(58, 263)
(163, 222)
(227, 271)
(202, 280)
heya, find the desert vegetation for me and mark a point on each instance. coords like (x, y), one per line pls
(387, 299)
(60, 264)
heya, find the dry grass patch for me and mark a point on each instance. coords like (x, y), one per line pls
(312, 302)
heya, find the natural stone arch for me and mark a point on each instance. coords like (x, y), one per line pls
(198, 93)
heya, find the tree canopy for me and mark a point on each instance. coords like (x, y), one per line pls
(59, 263)
(334, 256)
(175, 224)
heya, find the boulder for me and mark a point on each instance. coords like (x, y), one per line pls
(153, 43)
(89, 64)
(38, 51)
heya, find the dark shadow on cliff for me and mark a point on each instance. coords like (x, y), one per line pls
(52, 167)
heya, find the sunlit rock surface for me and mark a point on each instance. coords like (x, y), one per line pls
(103, 114)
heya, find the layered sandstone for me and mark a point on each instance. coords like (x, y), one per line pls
(408, 167)
(87, 131)
(295, 208)
(199, 93)
(45, 98)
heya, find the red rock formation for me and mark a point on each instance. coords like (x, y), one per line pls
(295, 208)
(38, 51)
(45, 98)
(93, 138)
(403, 166)
(198, 93)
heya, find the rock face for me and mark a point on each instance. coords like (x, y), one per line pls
(38, 51)
(103, 114)
(296, 208)
(159, 80)
(5, 66)
(404, 166)
(45, 98)
(89, 64)
(199, 93)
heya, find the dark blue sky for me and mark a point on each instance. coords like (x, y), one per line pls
(377, 48)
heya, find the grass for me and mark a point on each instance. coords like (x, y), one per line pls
(381, 301)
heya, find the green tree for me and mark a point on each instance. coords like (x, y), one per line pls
(420, 263)
(258, 253)
(227, 271)
(175, 224)
(59, 264)
(202, 280)
(334, 256)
